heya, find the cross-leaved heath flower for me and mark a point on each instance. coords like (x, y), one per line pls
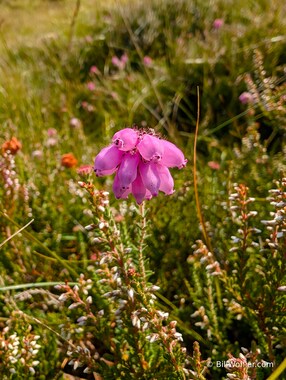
(141, 162)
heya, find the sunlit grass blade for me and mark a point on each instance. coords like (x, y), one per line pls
(32, 285)
(16, 233)
(31, 237)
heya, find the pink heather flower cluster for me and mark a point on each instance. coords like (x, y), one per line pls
(148, 61)
(246, 98)
(141, 161)
(120, 62)
(218, 23)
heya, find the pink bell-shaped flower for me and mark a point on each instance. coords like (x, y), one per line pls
(166, 180)
(151, 148)
(141, 161)
(126, 139)
(173, 156)
(138, 189)
(118, 190)
(127, 171)
(150, 177)
(107, 160)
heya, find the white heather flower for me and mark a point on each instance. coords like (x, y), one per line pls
(134, 319)
(74, 305)
(81, 319)
(101, 225)
(63, 297)
(12, 359)
(130, 293)
(145, 326)
(15, 352)
(178, 336)
(153, 337)
(154, 288)
(162, 314)
(76, 364)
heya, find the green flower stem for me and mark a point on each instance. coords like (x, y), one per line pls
(141, 242)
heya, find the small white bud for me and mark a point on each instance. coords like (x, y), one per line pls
(76, 363)
(63, 297)
(101, 225)
(73, 305)
(130, 293)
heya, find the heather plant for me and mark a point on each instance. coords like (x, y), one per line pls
(133, 335)
(19, 352)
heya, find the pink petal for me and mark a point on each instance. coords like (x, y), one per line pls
(172, 156)
(107, 160)
(124, 58)
(126, 139)
(148, 195)
(126, 193)
(119, 192)
(166, 180)
(102, 173)
(150, 148)
(138, 189)
(150, 177)
(115, 60)
(127, 171)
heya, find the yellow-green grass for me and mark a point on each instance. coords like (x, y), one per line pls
(31, 21)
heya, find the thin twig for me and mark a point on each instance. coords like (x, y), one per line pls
(198, 206)
(16, 233)
(73, 22)
(31, 237)
(168, 127)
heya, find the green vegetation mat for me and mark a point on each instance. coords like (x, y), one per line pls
(183, 286)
